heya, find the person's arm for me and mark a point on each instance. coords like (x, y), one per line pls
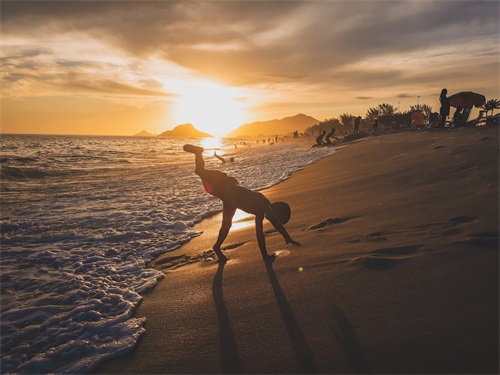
(219, 157)
(227, 220)
(280, 227)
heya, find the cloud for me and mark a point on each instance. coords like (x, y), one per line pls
(39, 72)
(301, 36)
(357, 48)
(77, 84)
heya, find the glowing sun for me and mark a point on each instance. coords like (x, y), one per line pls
(211, 108)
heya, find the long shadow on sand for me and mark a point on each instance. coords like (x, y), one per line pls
(230, 357)
(299, 343)
(347, 339)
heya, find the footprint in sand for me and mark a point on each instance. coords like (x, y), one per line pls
(170, 263)
(209, 257)
(485, 240)
(462, 220)
(373, 237)
(174, 262)
(447, 228)
(233, 246)
(330, 221)
(397, 251)
(387, 258)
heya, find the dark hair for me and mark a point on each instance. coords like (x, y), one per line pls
(282, 211)
(443, 92)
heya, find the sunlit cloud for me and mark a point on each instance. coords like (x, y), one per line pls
(284, 57)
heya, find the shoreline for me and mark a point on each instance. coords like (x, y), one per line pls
(397, 272)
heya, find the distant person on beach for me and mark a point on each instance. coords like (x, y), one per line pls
(357, 122)
(375, 125)
(319, 138)
(234, 197)
(456, 115)
(223, 160)
(433, 119)
(444, 110)
(330, 135)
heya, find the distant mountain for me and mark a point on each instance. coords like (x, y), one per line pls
(144, 133)
(185, 131)
(272, 127)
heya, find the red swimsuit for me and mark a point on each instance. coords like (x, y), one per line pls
(215, 182)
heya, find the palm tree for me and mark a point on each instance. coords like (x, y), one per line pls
(383, 113)
(372, 114)
(491, 105)
(347, 119)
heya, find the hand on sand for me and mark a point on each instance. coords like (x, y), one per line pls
(193, 149)
(294, 243)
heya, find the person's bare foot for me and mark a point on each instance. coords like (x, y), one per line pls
(269, 257)
(294, 243)
(193, 149)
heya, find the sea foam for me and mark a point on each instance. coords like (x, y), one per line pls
(81, 219)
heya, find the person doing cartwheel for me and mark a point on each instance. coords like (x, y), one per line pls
(234, 197)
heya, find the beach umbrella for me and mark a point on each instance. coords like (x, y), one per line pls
(467, 99)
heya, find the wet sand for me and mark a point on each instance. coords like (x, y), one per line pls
(398, 271)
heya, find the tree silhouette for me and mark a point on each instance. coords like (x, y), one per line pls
(326, 124)
(384, 113)
(491, 105)
(347, 119)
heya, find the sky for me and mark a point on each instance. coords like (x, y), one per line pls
(119, 67)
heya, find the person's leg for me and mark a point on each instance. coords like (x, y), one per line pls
(261, 240)
(198, 152)
(227, 220)
(442, 120)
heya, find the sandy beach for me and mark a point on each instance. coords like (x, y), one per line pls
(398, 271)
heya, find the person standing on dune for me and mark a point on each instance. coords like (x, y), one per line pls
(234, 196)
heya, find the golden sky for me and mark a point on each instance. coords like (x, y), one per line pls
(119, 67)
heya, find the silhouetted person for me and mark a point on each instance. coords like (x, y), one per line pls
(330, 135)
(234, 197)
(456, 115)
(319, 138)
(222, 159)
(357, 122)
(433, 119)
(375, 125)
(444, 110)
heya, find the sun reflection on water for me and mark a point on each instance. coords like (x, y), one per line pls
(211, 143)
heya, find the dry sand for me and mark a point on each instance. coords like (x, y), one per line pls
(398, 271)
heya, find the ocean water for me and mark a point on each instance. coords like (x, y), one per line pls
(81, 217)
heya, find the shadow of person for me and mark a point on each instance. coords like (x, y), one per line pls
(346, 337)
(302, 351)
(230, 358)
